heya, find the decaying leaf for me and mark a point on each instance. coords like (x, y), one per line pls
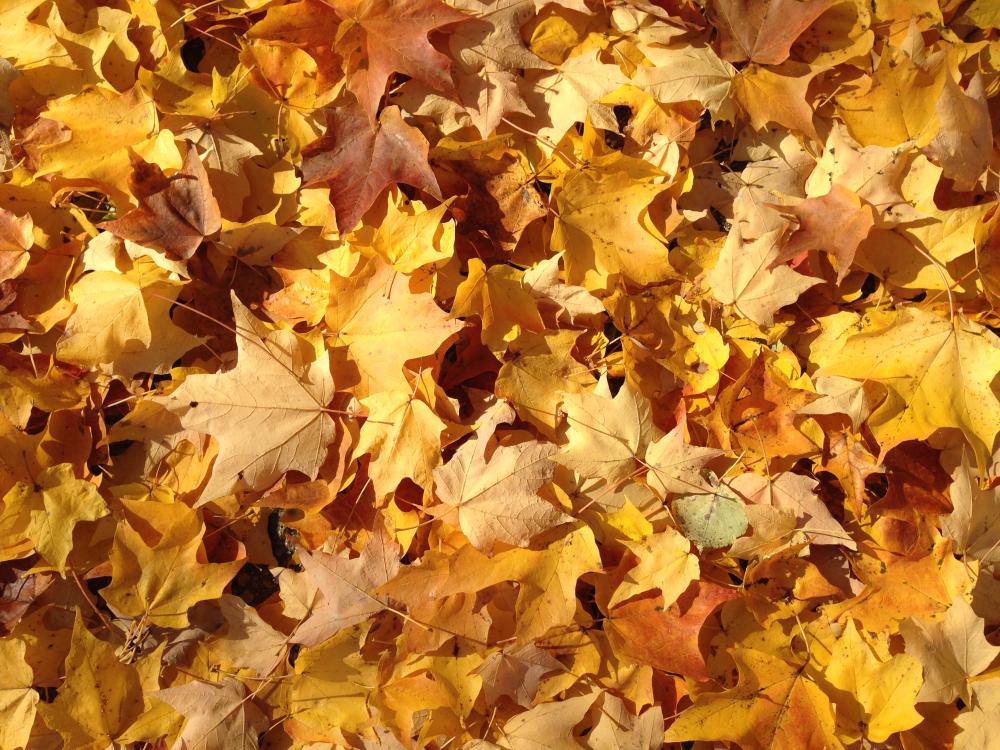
(712, 520)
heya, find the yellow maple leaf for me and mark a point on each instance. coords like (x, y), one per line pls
(663, 561)
(18, 699)
(412, 236)
(47, 511)
(379, 324)
(775, 706)
(403, 436)
(599, 225)
(936, 374)
(94, 128)
(876, 696)
(608, 437)
(162, 580)
(123, 321)
(899, 103)
(745, 278)
(330, 692)
(99, 698)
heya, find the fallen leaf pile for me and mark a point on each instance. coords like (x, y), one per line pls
(519, 374)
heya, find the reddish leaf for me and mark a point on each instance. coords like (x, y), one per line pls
(643, 631)
(17, 592)
(175, 214)
(835, 223)
(516, 672)
(10, 319)
(916, 479)
(374, 38)
(500, 203)
(391, 36)
(345, 585)
(359, 163)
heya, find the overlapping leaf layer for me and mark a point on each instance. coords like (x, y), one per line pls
(507, 374)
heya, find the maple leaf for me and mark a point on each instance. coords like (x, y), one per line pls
(547, 579)
(774, 705)
(17, 597)
(162, 580)
(904, 588)
(836, 223)
(547, 725)
(375, 38)
(776, 95)
(357, 161)
(763, 30)
(217, 715)
(917, 356)
(403, 435)
(874, 173)
(123, 321)
(100, 696)
(599, 228)
(86, 136)
(346, 586)
(501, 201)
(501, 300)
(607, 436)
(494, 497)
(688, 74)
(951, 650)
(617, 726)
(980, 721)
(852, 464)
(543, 279)
(660, 562)
(176, 213)
(572, 92)
(549, 582)
(379, 325)
(412, 236)
(962, 144)
(231, 406)
(18, 699)
(666, 637)
(797, 494)
(537, 371)
(488, 52)
(982, 13)
(879, 115)
(386, 37)
(974, 523)
(490, 35)
(878, 694)
(16, 239)
(515, 673)
(329, 691)
(249, 641)
(746, 277)
(675, 466)
(47, 511)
